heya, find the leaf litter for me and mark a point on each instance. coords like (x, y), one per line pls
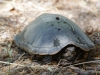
(16, 14)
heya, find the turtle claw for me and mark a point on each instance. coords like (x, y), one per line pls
(47, 59)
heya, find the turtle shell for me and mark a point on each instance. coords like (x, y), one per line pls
(49, 33)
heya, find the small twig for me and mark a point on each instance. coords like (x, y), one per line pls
(92, 68)
(11, 63)
(3, 44)
(95, 71)
(19, 57)
(72, 64)
(96, 61)
(35, 66)
(42, 66)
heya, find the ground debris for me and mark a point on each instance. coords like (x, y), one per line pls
(16, 14)
(75, 69)
(93, 71)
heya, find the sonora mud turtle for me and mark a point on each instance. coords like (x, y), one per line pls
(49, 34)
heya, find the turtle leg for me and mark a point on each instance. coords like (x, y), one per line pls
(47, 58)
(80, 55)
(88, 56)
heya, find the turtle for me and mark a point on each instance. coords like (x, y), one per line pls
(52, 34)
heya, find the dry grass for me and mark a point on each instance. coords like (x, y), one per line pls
(16, 14)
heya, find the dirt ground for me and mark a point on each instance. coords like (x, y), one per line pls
(16, 14)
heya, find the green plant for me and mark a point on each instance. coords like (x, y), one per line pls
(8, 50)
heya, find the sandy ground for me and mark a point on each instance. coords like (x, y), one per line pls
(16, 14)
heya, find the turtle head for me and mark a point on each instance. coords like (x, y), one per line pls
(69, 53)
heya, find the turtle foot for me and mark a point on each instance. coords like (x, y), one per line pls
(47, 59)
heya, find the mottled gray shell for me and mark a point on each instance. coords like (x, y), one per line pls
(49, 33)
